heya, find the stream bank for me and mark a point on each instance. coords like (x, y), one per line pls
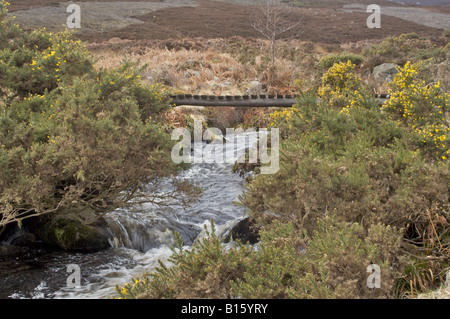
(141, 235)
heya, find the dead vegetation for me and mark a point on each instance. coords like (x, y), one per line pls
(220, 66)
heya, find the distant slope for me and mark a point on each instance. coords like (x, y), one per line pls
(323, 23)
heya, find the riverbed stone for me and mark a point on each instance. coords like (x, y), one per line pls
(245, 231)
(385, 72)
(14, 235)
(73, 235)
(253, 87)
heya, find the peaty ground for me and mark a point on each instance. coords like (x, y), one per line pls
(323, 21)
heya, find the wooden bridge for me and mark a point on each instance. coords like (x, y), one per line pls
(261, 100)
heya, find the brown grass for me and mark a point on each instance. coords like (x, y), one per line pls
(441, 293)
(208, 70)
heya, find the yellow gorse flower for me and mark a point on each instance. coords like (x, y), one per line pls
(423, 107)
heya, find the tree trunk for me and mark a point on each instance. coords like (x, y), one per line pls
(272, 51)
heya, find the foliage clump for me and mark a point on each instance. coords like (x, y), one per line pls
(422, 107)
(368, 163)
(331, 59)
(72, 135)
(339, 84)
(408, 47)
(286, 264)
(204, 271)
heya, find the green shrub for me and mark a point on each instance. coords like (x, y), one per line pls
(368, 163)
(328, 60)
(422, 107)
(204, 271)
(400, 49)
(72, 135)
(359, 162)
(331, 263)
(339, 83)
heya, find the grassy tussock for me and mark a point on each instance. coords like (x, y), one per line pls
(221, 67)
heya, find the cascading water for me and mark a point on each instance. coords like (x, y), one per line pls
(142, 235)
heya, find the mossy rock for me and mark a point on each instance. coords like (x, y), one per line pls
(246, 231)
(70, 234)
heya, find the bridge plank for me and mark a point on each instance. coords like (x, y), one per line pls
(253, 100)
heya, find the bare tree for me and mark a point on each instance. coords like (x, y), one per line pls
(274, 22)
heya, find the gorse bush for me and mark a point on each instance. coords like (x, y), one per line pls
(48, 61)
(368, 163)
(418, 103)
(71, 135)
(422, 107)
(340, 87)
(204, 271)
(408, 47)
(329, 60)
(339, 83)
(330, 263)
(287, 264)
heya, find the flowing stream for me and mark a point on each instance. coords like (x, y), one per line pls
(142, 235)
